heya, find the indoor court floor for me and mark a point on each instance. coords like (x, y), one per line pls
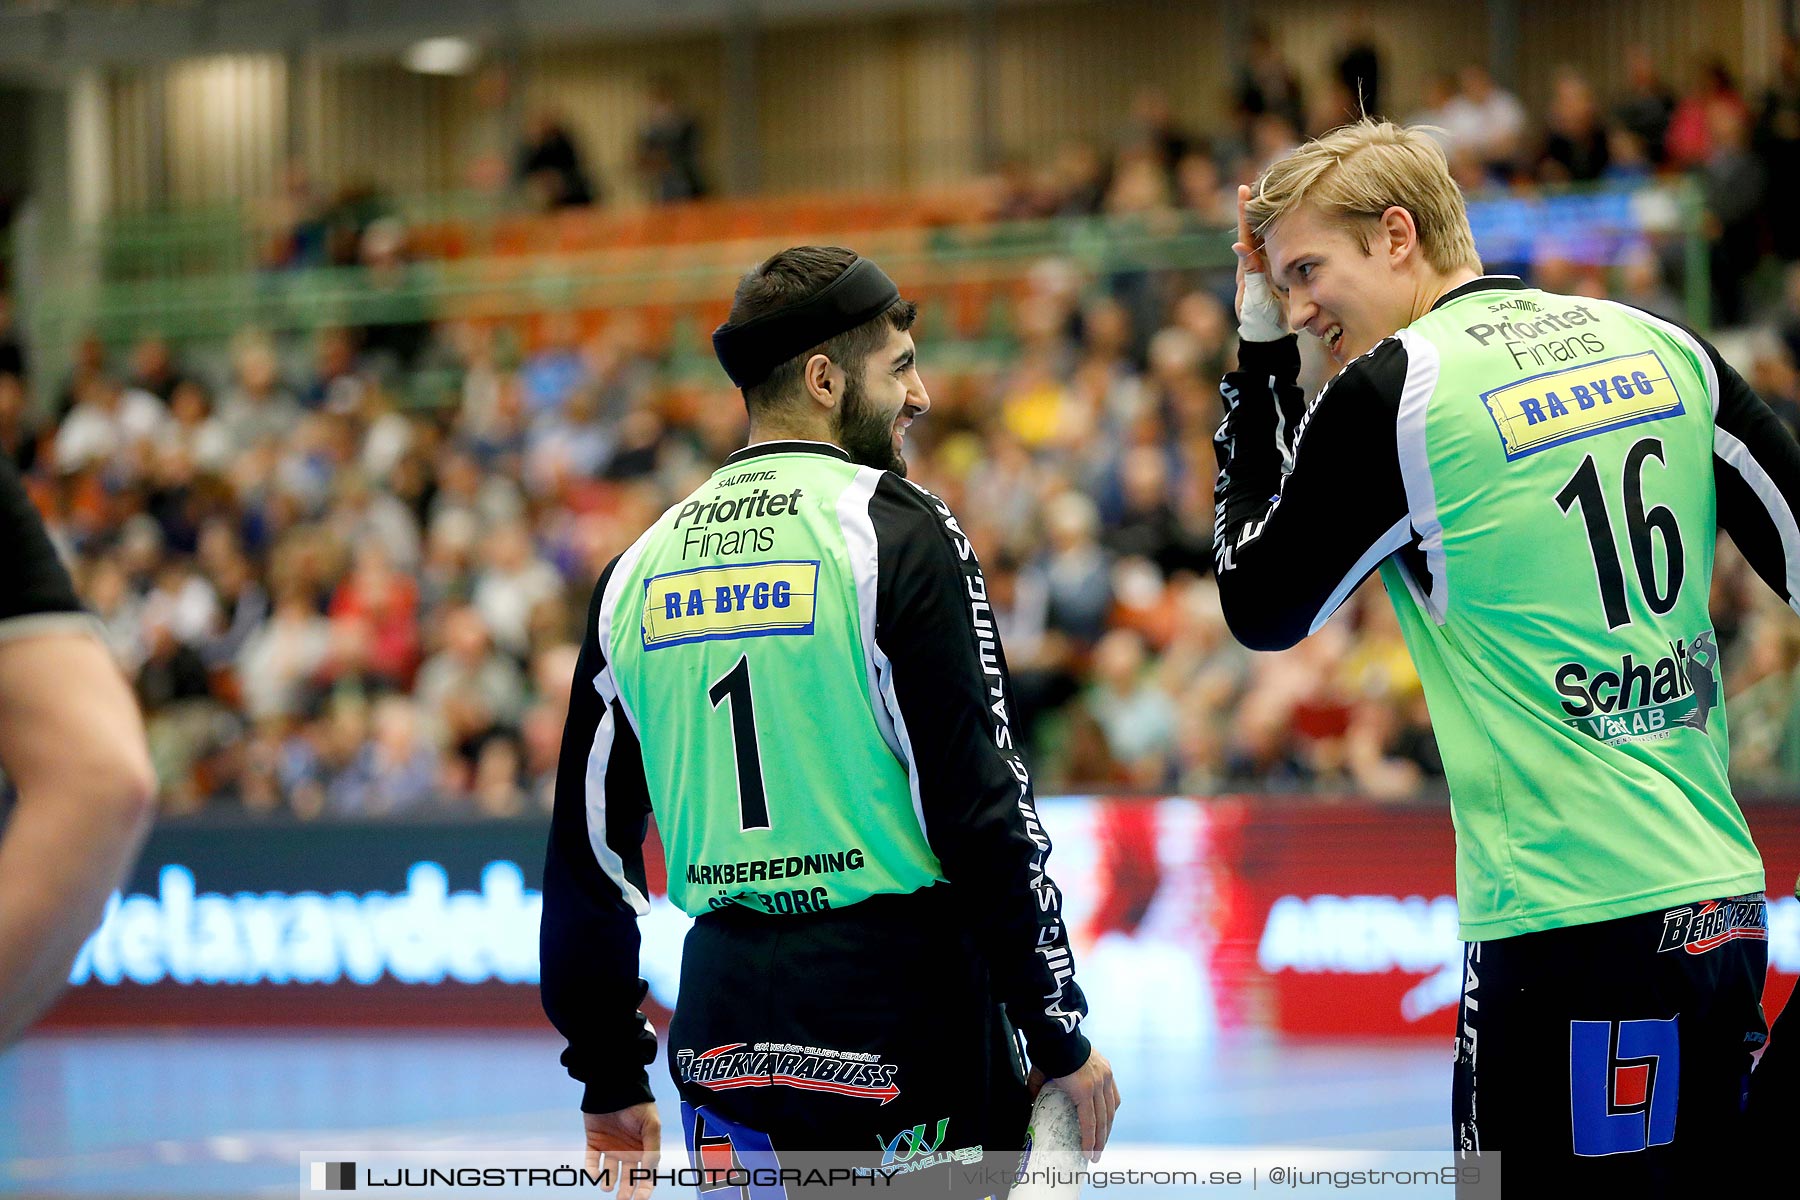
(228, 1113)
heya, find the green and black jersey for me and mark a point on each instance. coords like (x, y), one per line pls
(797, 670)
(1540, 480)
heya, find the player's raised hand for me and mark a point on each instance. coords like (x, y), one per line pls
(618, 1141)
(1247, 247)
(1260, 312)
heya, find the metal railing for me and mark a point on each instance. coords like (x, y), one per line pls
(193, 278)
(685, 283)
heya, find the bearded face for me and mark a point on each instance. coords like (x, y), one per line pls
(867, 431)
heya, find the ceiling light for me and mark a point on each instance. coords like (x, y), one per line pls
(441, 56)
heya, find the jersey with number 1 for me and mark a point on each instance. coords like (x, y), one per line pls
(735, 633)
(798, 670)
(1540, 480)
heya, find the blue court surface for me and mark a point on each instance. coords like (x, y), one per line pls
(227, 1113)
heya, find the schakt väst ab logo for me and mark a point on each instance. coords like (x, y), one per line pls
(1636, 700)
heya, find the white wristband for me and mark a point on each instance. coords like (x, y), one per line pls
(1261, 319)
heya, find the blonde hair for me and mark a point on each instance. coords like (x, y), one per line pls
(1357, 172)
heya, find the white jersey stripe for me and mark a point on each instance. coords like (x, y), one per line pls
(865, 571)
(889, 718)
(1396, 536)
(1415, 468)
(598, 757)
(1737, 455)
(1701, 358)
(865, 567)
(1734, 452)
(600, 754)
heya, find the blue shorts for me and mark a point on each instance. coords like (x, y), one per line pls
(1614, 1057)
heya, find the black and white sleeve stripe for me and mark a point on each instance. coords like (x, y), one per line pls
(1756, 471)
(952, 703)
(1264, 409)
(1291, 544)
(1756, 467)
(594, 886)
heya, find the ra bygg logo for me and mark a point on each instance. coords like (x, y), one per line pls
(1565, 405)
(1624, 1078)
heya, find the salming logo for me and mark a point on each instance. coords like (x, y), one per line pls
(1052, 943)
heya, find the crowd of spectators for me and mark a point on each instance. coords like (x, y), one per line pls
(335, 601)
(1741, 145)
(330, 604)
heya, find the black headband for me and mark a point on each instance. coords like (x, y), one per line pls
(751, 351)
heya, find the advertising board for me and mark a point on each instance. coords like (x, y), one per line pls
(1303, 915)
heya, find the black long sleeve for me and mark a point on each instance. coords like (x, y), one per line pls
(1308, 500)
(1756, 471)
(588, 939)
(952, 698)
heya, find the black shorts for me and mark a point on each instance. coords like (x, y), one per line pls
(1615, 1054)
(868, 1030)
(1775, 1085)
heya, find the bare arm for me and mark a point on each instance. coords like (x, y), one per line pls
(72, 742)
